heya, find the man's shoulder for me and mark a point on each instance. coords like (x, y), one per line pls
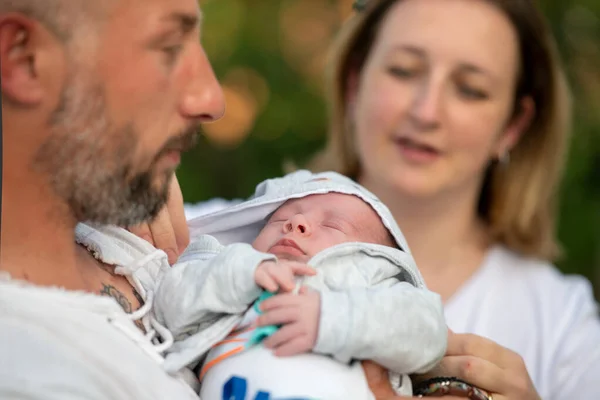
(38, 353)
(59, 344)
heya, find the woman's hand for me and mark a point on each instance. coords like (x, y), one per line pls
(379, 383)
(473, 359)
(169, 230)
(486, 365)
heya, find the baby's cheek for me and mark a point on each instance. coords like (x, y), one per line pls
(266, 239)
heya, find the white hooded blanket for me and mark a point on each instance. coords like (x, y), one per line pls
(374, 305)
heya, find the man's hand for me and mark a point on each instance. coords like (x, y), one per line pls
(279, 275)
(169, 230)
(299, 314)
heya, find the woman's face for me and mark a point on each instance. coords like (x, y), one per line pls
(433, 103)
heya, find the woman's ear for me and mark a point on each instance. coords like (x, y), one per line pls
(518, 125)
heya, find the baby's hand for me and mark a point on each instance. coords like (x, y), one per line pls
(299, 314)
(275, 275)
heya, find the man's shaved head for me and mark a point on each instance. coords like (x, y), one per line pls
(109, 93)
(64, 18)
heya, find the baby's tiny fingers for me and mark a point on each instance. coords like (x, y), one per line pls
(278, 316)
(284, 334)
(303, 269)
(295, 346)
(265, 281)
(285, 279)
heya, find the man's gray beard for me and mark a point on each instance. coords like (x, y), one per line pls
(89, 162)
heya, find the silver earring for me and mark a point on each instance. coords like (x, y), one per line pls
(359, 5)
(504, 158)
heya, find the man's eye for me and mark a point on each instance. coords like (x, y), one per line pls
(172, 52)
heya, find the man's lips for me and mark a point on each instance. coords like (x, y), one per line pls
(287, 246)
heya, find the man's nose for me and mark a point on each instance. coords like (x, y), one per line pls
(203, 99)
(298, 224)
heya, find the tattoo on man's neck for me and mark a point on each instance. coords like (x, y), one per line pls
(111, 291)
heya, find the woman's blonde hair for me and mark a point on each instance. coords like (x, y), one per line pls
(518, 201)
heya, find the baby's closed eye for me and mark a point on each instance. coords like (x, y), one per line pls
(334, 225)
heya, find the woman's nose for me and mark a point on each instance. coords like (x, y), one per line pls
(426, 104)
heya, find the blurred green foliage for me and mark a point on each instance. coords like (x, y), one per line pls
(269, 55)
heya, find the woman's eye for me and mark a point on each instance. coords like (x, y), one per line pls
(472, 93)
(400, 72)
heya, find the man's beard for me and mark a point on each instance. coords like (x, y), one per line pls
(91, 162)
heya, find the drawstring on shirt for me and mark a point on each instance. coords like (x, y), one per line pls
(157, 334)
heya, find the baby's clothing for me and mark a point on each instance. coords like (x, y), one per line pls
(374, 305)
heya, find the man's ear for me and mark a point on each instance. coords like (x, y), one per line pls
(20, 81)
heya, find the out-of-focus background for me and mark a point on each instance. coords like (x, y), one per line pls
(270, 56)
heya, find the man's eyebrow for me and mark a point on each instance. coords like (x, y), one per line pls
(186, 21)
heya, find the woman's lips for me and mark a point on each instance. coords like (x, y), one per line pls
(416, 152)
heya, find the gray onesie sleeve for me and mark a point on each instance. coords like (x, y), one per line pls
(399, 326)
(210, 281)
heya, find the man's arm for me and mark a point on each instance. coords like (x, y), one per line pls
(400, 327)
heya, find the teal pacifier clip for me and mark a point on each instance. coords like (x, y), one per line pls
(262, 332)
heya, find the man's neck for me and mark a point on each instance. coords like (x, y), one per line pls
(38, 243)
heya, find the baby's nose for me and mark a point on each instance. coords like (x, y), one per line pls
(299, 224)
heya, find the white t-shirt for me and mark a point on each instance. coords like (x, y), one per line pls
(59, 345)
(65, 345)
(528, 306)
(550, 319)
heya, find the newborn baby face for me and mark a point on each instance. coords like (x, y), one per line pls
(301, 228)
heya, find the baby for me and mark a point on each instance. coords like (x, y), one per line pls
(327, 281)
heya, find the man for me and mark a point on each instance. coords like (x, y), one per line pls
(99, 99)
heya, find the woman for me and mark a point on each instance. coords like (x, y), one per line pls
(456, 113)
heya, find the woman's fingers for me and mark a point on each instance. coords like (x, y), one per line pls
(486, 365)
(379, 383)
(378, 380)
(476, 371)
(477, 346)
